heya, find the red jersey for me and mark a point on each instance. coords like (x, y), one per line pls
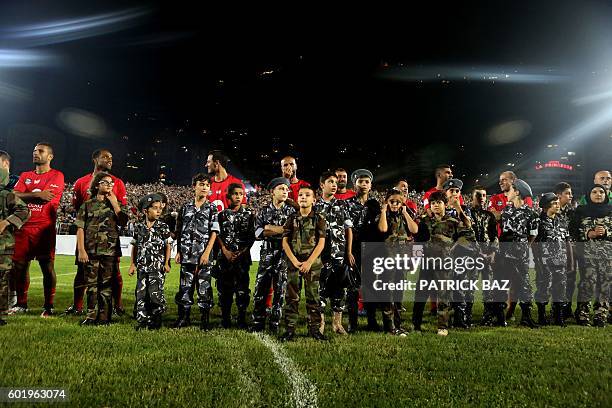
(44, 213)
(412, 205)
(498, 202)
(218, 192)
(80, 191)
(433, 190)
(346, 195)
(294, 189)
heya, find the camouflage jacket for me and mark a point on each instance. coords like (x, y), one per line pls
(151, 246)
(338, 221)
(444, 235)
(565, 216)
(484, 226)
(237, 229)
(599, 248)
(270, 215)
(517, 225)
(550, 246)
(16, 212)
(364, 218)
(101, 226)
(193, 229)
(304, 233)
(397, 229)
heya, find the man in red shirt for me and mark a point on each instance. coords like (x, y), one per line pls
(402, 186)
(343, 193)
(289, 169)
(499, 201)
(103, 162)
(220, 180)
(42, 190)
(443, 173)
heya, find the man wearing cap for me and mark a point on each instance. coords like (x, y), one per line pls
(289, 169)
(272, 269)
(519, 224)
(363, 212)
(343, 193)
(550, 255)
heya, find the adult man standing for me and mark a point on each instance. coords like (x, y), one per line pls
(499, 201)
(289, 169)
(220, 180)
(402, 186)
(443, 173)
(604, 178)
(103, 162)
(343, 193)
(41, 189)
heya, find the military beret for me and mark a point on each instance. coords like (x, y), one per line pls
(277, 182)
(523, 188)
(361, 173)
(146, 201)
(546, 199)
(453, 183)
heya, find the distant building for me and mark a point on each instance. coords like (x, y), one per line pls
(555, 165)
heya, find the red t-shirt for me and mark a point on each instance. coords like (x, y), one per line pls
(44, 213)
(433, 190)
(498, 202)
(412, 205)
(218, 192)
(346, 195)
(294, 188)
(80, 190)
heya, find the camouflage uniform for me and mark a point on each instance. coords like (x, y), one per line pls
(595, 255)
(304, 234)
(15, 211)
(193, 228)
(100, 225)
(565, 216)
(237, 233)
(150, 258)
(332, 282)
(441, 236)
(550, 256)
(272, 270)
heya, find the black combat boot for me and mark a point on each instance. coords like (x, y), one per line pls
(526, 319)
(183, 318)
(205, 320)
(499, 314)
(417, 315)
(2, 322)
(542, 319)
(488, 314)
(567, 310)
(388, 325)
(353, 319)
(468, 314)
(226, 317)
(558, 310)
(241, 320)
(459, 316)
(317, 335)
(289, 335)
(372, 323)
(156, 322)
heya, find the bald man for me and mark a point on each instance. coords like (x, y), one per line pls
(604, 178)
(289, 169)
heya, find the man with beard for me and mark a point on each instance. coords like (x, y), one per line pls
(103, 162)
(41, 189)
(289, 169)
(604, 178)
(220, 180)
(443, 173)
(342, 193)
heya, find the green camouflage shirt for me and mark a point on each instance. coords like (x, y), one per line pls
(101, 226)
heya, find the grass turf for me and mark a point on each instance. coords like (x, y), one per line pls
(117, 366)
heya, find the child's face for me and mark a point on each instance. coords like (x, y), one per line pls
(236, 197)
(305, 198)
(479, 197)
(438, 207)
(154, 211)
(329, 186)
(453, 193)
(363, 185)
(280, 193)
(105, 186)
(565, 197)
(202, 188)
(512, 193)
(395, 202)
(554, 208)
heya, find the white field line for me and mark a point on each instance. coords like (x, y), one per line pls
(59, 274)
(303, 392)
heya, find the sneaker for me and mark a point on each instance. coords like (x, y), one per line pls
(18, 309)
(442, 332)
(47, 312)
(72, 310)
(398, 332)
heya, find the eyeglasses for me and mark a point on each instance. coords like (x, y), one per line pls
(395, 202)
(108, 183)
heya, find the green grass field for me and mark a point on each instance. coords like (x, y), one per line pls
(117, 366)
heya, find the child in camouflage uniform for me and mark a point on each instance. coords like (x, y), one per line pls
(98, 222)
(13, 214)
(303, 242)
(151, 252)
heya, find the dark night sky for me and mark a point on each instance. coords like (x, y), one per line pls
(184, 69)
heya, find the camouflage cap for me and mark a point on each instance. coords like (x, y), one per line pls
(277, 182)
(523, 188)
(361, 173)
(146, 201)
(453, 183)
(546, 199)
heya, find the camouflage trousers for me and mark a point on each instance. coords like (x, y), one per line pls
(233, 279)
(551, 280)
(332, 284)
(272, 272)
(517, 272)
(594, 271)
(424, 291)
(354, 282)
(6, 263)
(98, 275)
(463, 296)
(292, 298)
(150, 299)
(187, 285)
